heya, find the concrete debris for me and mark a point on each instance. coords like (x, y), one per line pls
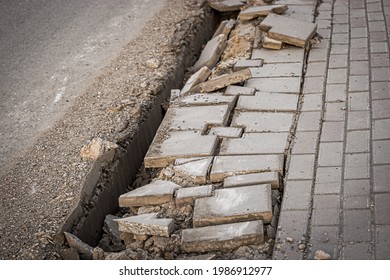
(288, 30)
(246, 63)
(175, 93)
(225, 27)
(238, 90)
(188, 195)
(211, 53)
(271, 178)
(226, 132)
(200, 76)
(195, 170)
(99, 148)
(227, 5)
(198, 257)
(272, 44)
(84, 250)
(261, 11)
(98, 253)
(204, 99)
(111, 228)
(321, 255)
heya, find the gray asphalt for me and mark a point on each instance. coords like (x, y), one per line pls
(50, 51)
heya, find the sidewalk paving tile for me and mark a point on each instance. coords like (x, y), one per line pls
(263, 121)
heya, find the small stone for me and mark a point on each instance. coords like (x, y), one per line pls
(97, 148)
(290, 239)
(301, 246)
(123, 255)
(84, 250)
(70, 254)
(152, 63)
(98, 253)
(144, 84)
(321, 255)
(140, 237)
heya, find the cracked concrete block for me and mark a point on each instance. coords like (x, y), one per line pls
(261, 11)
(188, 195)
(195, 169)
(263, 121)
(226, 166)
(222, 237)
(223, 81)
(278, 70)
(155, 193)
(226, 132)
(204, 99)
(246, 63)
(175, 93)
(289, 54)
(147, 224)
(234, 205)
(255, 144)
(288, 30)
(237, 90)
(271, 178)
(198, 77)
(227, 5)
(211, 53)
(272, 44)
(225, 27)
(268, 101)
(166, 148)
(276, 84)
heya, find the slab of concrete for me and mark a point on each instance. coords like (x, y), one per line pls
(272, 44)
(288, 30)
(261, 11)
(223, 81)
(188, 195)
(225, 27)
(246, 63)
(222, 237)
(227, 5)
(268, 101)
(255, 144)
(278, 70)
(234, 205)
(155, 193)
(272, 178)
(166, 148)
(147, 224)
(237, 90)
(211, 53)
(204, 99)
(263, 121)
(226, 166)
(175, 94)
(287, 55)
(278, 84)
(198, 77)
(226, 132)
(195, 169)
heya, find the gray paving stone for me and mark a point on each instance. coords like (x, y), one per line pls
(340, 38)
(312, 102)
(358, 141)
(380, 90)
(359, 101)
(277, 70)
(380, 74)
(383, 242)
(325, 217)
(227, 5)
(324, 23)
(357, 202)
(272, 44)
(332, 131)
(324, 234)
(359, 54)
(313, 85)
(359, 32)
(263, 121)
(305, 142)
(381, 178)
(226, 132)
(147, 224)
(188, 195)
(232, 205)
(339, 49)
(265, 101)
(246, 63)
(309, 121)
(381, 151)
(316, 69)
(336, 92)
(337, 76)
(357, 166)
(222, 237)
(271, 178)
(330, 154)
(260, 11)
(379, 47)
(301, 167)
(340, 29)
(356, 251)
(288, 30)
(292, 224)
(335, 111)
(382, 208)
(194, 169)
(327, 188)
(156, 193)
(211, 52)
(328, 175)
(374, 7)
(357, 188)
(359, 67)
(380, 59)
(255, 144)
(237, 90)
(378, 36)
(202, 99)
(338, 60)
(357, 225)
(286, 55)
(329, 248)
(358, 120)
(357, 43)
(376, 26)
(277, 84)
(297, 195)
(358, 22)
(318, 54)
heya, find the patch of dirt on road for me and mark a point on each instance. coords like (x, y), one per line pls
(40, 190)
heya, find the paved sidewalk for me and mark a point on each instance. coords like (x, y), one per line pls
(337, 187)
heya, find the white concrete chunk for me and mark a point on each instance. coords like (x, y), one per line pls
(211, 53)
(227, 5)
(246, 63)
(225, 27)
(272, 44)
(188, 195)
(271, 178)
(258, 11)
(237, 90)
(195, 169)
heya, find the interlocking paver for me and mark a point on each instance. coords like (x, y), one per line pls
(263, 121)
(301, 167)
(305, 142)
(359, 67)
(313, 85)
(337, 92)
(335, 111)
(357, 251)
(312, 102)
(277, 84)
(383, 242)
(297, 195)
(359, 120)
(309, 121)
(380, 90)
(332, 131)
(357, 202)
(337, 76)
(359, 101)
(381, 178)
(357, 166)
(265, 101)
(381, 151)
(359, 54)
(357, 188)
(338, 60)
(382, 208)
(357, 225)
(330, 154)
(358, 141)
(358, 83)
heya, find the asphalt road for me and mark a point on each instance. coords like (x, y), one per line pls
(50, 51)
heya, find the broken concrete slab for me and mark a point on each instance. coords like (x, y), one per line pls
(278, 70)
(277, 84)
(155, 193)
(226, 132)
(272, 44)
(223, 81)
(147, 224)
(211, 53)
(263, 121)
(222, 237)
(227, 5)
(198, 77)
(237, 90)
(204, 99)
(166, 148)
(195, 169)
(234, 205)
(288, 30)
(272, 178)
(246, 63)
(255, 144)
(225, 27)
(226, 166)
(287, 55)
(261, 11)
(268, 101)
(188, 195)
(175, 93)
